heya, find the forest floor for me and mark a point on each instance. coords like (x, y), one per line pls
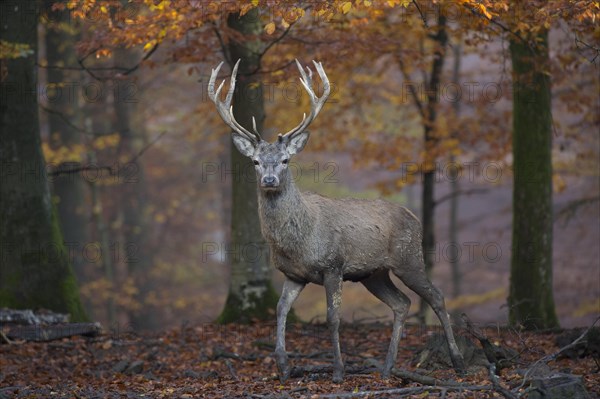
(236, 361)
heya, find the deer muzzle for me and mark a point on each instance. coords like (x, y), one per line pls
(269, 182)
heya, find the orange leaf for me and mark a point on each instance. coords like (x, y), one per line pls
(270, 28)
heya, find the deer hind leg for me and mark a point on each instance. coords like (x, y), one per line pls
(384, 289)
(333, 290)
(291, 290)
(413, 275)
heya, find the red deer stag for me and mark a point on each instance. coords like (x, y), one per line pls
(314, 239)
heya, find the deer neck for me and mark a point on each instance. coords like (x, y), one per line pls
(286, 220)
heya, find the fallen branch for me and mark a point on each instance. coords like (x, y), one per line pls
(448, 385)
(554, 355)
(300, 371)
(496, 383)
(498, 356)
(403, 392)
(231, 369)
(41, 333)
(5, 338)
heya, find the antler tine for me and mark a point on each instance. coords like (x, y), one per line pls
(224, 108)
(326, 85)
(316, 102)
(255, 129)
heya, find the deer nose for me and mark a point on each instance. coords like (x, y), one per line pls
(269, 181)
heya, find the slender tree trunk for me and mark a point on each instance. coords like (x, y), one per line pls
(454, 188)
(251, 294)
(531, 301)
(68, 188)
(106, 259)
(34, 265)
(428, 201)
(454, 256)
(132, 191)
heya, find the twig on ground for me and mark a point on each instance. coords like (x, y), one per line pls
(554, 355)
(496, 383)
(403, 392)
(5, 338)
(300, 371)
(231, 369)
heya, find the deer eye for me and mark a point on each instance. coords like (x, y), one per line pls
(256, 162)
(285, 161)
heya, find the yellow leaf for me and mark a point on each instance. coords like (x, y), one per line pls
(346, 7)
(149, 45)
(484, 11)
(270, 28)
(401, 3)
(255, 3)
(245, 8)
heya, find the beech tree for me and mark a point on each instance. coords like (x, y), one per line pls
(35, 271)
(251, 294)
(531, 300)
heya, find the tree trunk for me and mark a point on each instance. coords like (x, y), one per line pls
(428, 201)
(34, 267)
(132, 192)
(102, 237)
(251, 294)
(531, 301)
(68, 188)
(454, 189)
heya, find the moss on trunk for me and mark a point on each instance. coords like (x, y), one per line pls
(531, 301)
(34, 265)
(251, 294)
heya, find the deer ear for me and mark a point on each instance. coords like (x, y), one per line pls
(297, 143)
(245, 146)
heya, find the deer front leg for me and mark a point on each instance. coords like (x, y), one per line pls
(290, 292)
(333, 291)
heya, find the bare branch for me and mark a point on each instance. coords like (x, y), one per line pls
(421, 14)
(411, 88)
(275, 41)
(451, 195)
(66, 120)
(222, 43)
(495, 22)
(589, 47)
(554, 355)
(569, 210)
(124, 70)
(110, 169)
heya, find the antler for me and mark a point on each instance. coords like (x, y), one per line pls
(316, 102)
(224, 108)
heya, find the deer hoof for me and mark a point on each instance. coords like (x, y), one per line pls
(459, 365)
(284, 372)
(283, 377)
(338, 375)
(282, 366)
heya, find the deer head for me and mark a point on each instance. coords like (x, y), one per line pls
(270, 159)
